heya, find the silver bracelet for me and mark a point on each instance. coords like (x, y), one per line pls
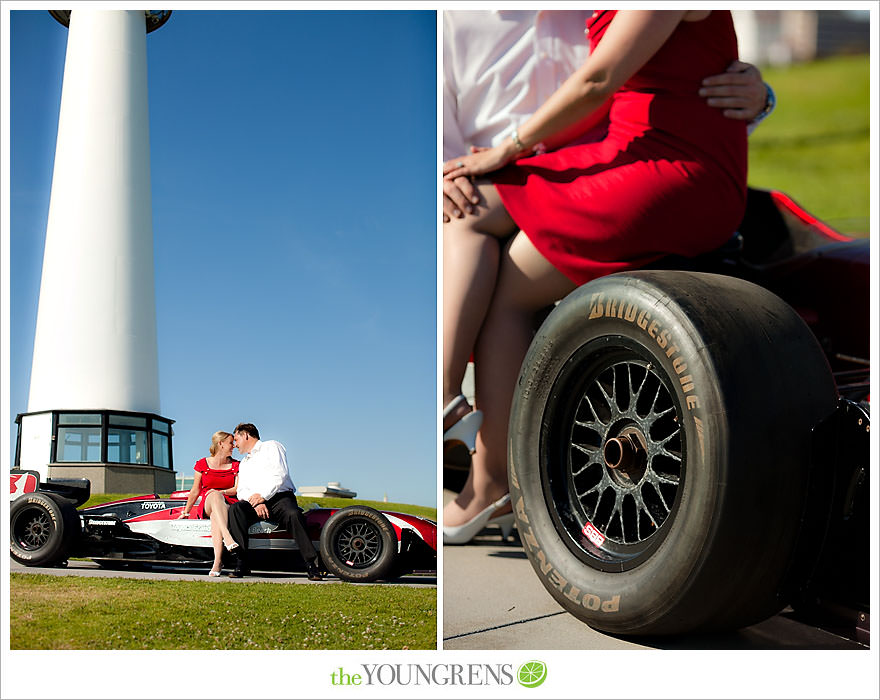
(516, 141)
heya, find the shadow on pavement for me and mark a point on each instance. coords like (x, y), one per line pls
(510, 555)
(783, 631)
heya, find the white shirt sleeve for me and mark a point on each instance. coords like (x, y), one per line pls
(499, 66)
(264, 471)
(454, 142)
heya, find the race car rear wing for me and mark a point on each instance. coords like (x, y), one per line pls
(23, 481)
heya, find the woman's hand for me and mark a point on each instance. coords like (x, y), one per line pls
(478, 163)
(182, 515)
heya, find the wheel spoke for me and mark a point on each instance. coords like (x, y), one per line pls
(662, 500)
(662, 444)
(590, 424)
(586, 450)
(359, 544)
(627, 505)
(32, 529)
(670, 479)
(654, 402)
(609, 398)
(618, 512)
(597, 421)
(655, 416)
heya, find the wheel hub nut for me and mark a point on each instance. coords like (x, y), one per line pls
(626, 454)
(619, 452)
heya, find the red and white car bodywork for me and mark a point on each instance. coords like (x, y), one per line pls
(356, 543)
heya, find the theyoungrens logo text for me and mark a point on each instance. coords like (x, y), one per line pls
(426, 674)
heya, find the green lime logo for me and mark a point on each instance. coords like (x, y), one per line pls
(531, 674)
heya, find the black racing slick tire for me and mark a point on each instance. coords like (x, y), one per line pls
(358, 544)
(660, 451)
(42, 529)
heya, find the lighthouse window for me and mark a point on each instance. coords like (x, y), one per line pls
(126, 446)
(79, 419)
(79, 445)
(113, 437)
(136, 421)
(160, 450)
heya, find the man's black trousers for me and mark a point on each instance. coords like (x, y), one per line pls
(284, 510)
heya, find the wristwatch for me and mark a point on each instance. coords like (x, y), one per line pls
(769, 106)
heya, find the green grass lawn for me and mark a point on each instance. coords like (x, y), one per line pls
(814, 147)
(68, 612)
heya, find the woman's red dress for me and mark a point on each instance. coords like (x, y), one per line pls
(669, 177)
(219, 479)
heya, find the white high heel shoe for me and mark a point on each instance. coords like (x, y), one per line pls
(464, 533)
(505, 522)
(465, 429)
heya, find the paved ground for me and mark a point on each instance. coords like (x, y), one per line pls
(90, 569)
(501, 604)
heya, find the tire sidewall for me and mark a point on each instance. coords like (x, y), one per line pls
(605, 312)
(64, 521)
(381, 568)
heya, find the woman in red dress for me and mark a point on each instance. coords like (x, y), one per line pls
(668, 177)
(215, 486)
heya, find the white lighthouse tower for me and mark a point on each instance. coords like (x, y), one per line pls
(93, 409)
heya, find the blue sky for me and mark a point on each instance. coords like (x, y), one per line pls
(308, 141)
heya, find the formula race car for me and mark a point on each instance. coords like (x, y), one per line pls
(689, 444)
(357, 543)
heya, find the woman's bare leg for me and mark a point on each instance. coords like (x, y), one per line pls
(221, 514)
(526, 284)
(218, 510)
(211, 511)
(471, 249)
(217, 542)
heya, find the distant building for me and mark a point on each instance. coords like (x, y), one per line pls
(779, 37)
(333, 489)
(184, 483)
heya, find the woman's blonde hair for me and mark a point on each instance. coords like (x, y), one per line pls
(216, 439)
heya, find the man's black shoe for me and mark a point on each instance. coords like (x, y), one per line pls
(313, 572)
(240, 571)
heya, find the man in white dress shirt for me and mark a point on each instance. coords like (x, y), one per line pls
(499, 66)
(266, 492)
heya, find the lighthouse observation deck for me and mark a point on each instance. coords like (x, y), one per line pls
(154, 18)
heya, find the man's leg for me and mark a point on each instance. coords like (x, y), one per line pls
(241, 516)
(284, 508)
